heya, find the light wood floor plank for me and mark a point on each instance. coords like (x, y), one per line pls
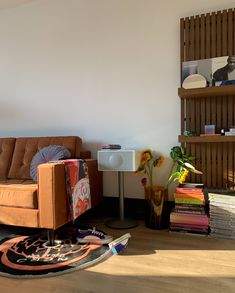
(154, 261)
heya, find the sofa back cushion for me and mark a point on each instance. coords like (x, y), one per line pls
(6, 150)
(27, 147)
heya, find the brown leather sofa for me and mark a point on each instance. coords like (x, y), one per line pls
(42, 204)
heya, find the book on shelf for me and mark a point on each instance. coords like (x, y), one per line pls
(189, 214)
(189, 190)
(185, 218)
(191, 185)
(189, 228)
(186, 206)
(222, 214)
(193, 201)
(211, 134)
(190, 233)
(189, 211)
(222, 197)
(229, 133)
(188, 195)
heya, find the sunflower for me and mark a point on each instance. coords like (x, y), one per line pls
(160, 161)
(147, 162)
(146, 156)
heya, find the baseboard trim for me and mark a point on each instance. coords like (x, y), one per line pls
(133, 207)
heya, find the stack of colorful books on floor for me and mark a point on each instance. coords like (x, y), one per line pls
(189, 213)
(222, 214)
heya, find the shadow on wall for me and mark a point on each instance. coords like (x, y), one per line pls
(5, 118)
(7, 113)
(33, 132)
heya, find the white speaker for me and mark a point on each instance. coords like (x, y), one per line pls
(118, 160)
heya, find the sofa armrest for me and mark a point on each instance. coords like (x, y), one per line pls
(52, 196)
(85, 155)
(96, 182)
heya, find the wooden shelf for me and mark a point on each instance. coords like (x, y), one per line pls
(226, 90)
(204, 139)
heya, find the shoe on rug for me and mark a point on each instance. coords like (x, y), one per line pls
(117, 245)
(92, 235)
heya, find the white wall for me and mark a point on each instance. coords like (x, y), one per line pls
(106, 70)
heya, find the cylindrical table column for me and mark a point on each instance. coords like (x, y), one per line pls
(122, 222)
(121, 194)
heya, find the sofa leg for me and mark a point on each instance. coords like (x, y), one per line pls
(51, 237)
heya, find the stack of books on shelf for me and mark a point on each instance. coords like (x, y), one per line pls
(222, 215)
(231, 131)
(189, 213)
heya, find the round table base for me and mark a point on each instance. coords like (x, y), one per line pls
(121, 224)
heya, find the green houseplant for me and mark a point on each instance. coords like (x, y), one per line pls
(182, 165)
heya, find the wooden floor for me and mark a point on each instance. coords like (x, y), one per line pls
(154, 261)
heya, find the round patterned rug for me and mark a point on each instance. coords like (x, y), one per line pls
(30, 257)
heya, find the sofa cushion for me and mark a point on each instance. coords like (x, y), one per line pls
(6, 150)
(27, 147)
(47, 154)
(18, 193)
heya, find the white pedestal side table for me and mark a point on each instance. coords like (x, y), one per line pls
(120, 161)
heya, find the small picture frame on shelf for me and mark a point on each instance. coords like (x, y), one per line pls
(209, 129)
(223, 70)
(217, 71)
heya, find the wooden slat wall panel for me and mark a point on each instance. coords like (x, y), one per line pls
(207, 36)
(219, 164)
(213, 113)
(192, 40)
(219, 35)
(198, 161)
(203, 163)
(230, 170)
(208, 111)
(197, 38)
(213, 165)
(198, 113)
(203, 114)
(213, 35)
(216, 159)
(192, 115)
(218, 122)
(230, 113)
(230, 32)
(208, 165)
(182, 45)
(225, 164)
(182, 116)
(233, 24)
(224, 34)
(187, 38)
(188, 117)
(225, 112)
(202, 34)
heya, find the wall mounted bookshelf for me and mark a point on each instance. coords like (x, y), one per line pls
(205, 139)
(228, 90)
(207, 36)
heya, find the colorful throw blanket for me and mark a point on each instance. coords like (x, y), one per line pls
(78, 187)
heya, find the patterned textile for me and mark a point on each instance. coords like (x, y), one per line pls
(78, 187)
